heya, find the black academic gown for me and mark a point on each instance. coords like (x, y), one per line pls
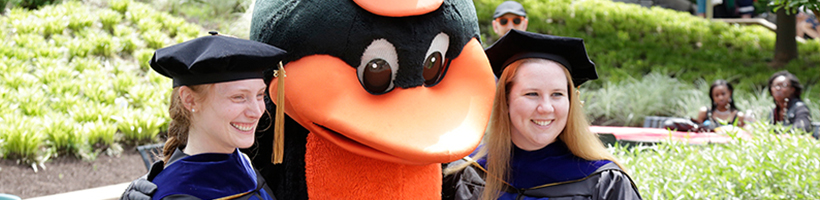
(549, 173)
(209, 176)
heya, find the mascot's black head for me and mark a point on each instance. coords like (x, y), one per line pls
(404, 45)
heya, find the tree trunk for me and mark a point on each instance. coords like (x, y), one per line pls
(785, 47)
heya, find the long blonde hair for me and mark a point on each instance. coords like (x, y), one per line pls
(580, 141)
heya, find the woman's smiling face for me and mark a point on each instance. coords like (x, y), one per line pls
(230, 111)
(538, 104)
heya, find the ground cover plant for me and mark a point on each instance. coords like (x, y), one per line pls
(230, 17)
(768, 166)
(76, 80)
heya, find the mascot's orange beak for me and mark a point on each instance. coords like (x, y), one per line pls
(419, 125)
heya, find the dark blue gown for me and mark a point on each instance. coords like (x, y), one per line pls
(210, 176)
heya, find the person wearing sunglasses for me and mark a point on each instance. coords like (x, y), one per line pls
(507, 16)
(789, 109)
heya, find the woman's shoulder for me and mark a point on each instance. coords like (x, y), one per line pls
(607, 182)
(800, 105)
(462, 183)
(206, 176)
(614, 183)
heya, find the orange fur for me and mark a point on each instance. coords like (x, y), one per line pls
(332, 173)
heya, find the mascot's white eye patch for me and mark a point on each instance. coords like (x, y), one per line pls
(378, 67)
(434, 60)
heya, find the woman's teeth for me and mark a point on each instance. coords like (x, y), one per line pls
(241, 127)
(543, 123)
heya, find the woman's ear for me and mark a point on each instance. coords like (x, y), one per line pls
(186, 94)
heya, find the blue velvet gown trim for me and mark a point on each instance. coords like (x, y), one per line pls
(207, 176)
(551, 164)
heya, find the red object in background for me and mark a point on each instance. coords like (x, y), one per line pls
(656, 135)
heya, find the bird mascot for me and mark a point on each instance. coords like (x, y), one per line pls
(377, 94)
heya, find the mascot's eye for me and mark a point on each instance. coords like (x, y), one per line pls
(378, 67)
(435, 63)
(433, 66)
(377, 76)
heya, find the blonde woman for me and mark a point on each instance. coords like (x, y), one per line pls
(538, 143)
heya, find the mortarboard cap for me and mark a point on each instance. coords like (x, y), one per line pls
(509, 7)
(517, 45)
(214, 59)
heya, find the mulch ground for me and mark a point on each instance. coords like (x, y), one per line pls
(65, 174)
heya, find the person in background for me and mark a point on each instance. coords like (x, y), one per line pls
(539, 144)
(507, 16)
(216, 103)
(723, 109)
(807, 25)
(789, 109)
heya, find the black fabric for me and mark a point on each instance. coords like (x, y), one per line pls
(213, 59)
(516, 45)
(140, 189)
(178, 154)
(609, 182)
(261, 184)
(156, 168)
(180, 197)
(797, 116)
(466, 184)
(343, 30)
(287, 179)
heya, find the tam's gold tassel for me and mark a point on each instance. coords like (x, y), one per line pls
(279, 124)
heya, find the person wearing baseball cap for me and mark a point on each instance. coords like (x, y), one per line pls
(507, 16)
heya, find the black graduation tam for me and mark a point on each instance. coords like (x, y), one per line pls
(517, 45)
(214, 59)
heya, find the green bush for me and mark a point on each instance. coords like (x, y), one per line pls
(61, 135)
(628, 102)
(119, 5)
(627, 40)
(21, 141)
(143, 57)
(109, 19)
(155, 39)
(100, 134)
(768, 166)
(140, 129)
(27, 4)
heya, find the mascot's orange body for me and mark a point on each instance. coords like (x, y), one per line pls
(382, 91)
